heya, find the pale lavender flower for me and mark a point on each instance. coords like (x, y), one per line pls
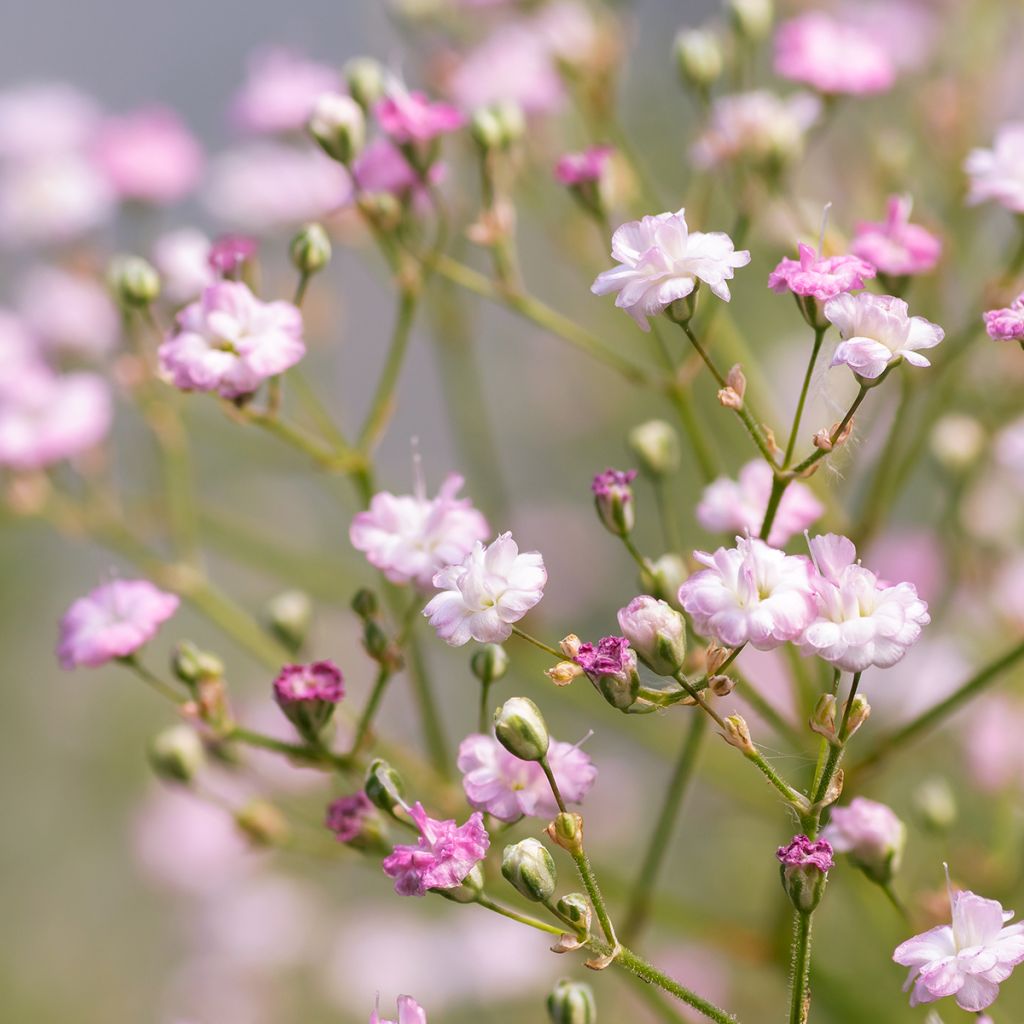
(68, 312)
(817, 276)
(870, 833)
(1006, 324)
(382, 167)
(409, 1012)
(895, 246)
(998, 173)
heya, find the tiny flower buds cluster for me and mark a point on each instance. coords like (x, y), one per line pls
(571, 1002)
(804, 865)
(133, 281)
(613, 499)
(656, 447)
(310, 250)
(289, 615)
(872, 836)
(203, 673)
(176, 754)
(338, 126)
(657, 632)
(308, 694)
(611, 667)
(521, 729)
(530, 869)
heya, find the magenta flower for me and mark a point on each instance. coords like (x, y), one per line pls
(802, 852)
(895, 246)
(998, 173)
(968, 959)
(1006, 324)
(113, 621)
(832, 56)
(820, 277)
(610, 656)
(500, 783)
(320, 681)
(229, 253)
(411, 117)
(149, 155)
(411, 537)
(409, 1012)
(739, 506)
(583, 168)
(230, 342)
(347, 815)
(442, 858)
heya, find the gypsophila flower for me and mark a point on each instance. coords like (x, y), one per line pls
(508, 788)
(411, 537)
(69, 312)
(409, 117)
(998, 173)
(318, 681)
(583, 168)
(381, 167)
(611, 655)
(45, 118)
(859, 620)
(661, 260)
(483, 596)
(817, 276)
(230, 342)
(870, 833)
(967, 959)
(409, 1012)
(751, 593)
(113, 621)
(347, 815)
(738, 506)
(229, 253)
(656, 631)
(442, 858)
(803, 852)
(1006, 324)
(183, 258)
(877, 331)
(895, 246)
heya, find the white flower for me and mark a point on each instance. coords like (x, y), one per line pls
(998, 173)
(661, 260)
(877, 332)
(183, 258)
(492, 588)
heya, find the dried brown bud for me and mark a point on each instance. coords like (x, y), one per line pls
(570, 646)
(721, 686)
(715, 657)
(735, 380)
(769, 439)
(823, 440)
(730, 399)
(563, 673)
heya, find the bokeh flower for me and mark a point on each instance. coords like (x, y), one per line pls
(895, 246)
(998, 173)
(412, 117)
(872, 835)
(1006, 324)
(409, 1012)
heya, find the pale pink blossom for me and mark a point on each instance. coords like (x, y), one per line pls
(280, 89)
(832, 56)
(490, 590)
(895, 246)
(583, 168)
(409, 1012)
(19, 353)
(817, 276)
(183, 258)
(412, 117)
(230, 342)
(1006, 324)
(568, 29)
(998, 173)
(411, 537)
(739, 506)
(500, 783)
(1008, 448)
(661, 260)
(229, 254)
(913, 554)
(113, 621)
(991, 744)
(45, 119)
(860, 620)
(149, 156)
(442, 857)
(968, 959)
(870, 833)
(751, 593)
(383, 167)
(877, 332)
(906, 29)
(68, 312)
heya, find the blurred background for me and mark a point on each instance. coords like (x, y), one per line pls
(126, 901)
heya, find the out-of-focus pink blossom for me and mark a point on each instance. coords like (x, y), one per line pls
(507, 788)
(895, 246)
(583, 168)
(870, 833)
(832, 56)
(18, 352)
(230, 342)
(1009, 450)
(279, 91)
(347, 815)
(229, 253)
(739, 506)
(68, 312)
(998, 173)
(409, 1012)
(45, 119)
(905, 29)
(817, 276)
(1006, 324)
(991, 743)
(443, 856)
(319, 681)
(112, 621)
(911, 553)
(183, 258)
(149, 156)
(412, 117)
(411, 537)
(568, 29)
(382, 167)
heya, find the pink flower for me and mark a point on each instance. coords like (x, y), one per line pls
(45, 119)
(583, 168)
(229, 253)
(230, 342)
(661, 261)
(443, 856)
(751, 593)
(183, 258)
(113, 621)
(967, 960)
(382, 167)
(347, 815)
(279, 91)
(500, 783)
(998, 173)
(319, 681)
(739, 506)
(870, 833)
(821, 277)
(410, 117)
(149, 155)
(895, 246)
(410, 537)
(611, 656)
(860, 621)
(409, 1012)
(877, 332)
(45, 418)
(832, 56)
(991, 744)
(483, 596)
(1006, 324)
(803, 852)
(69, 312)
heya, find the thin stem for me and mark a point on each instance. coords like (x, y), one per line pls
(295, 751)
(800, 991)
(669, 525)
(555, 792)
(333, 458)
(484, 722)
(152, 680)
(834, 756)
(820, 453)
(537, 643)
(819, 335)
(635, 554)
(514, 915)
(586, 873)
(300, 288)
(423, 692)
(366, 718)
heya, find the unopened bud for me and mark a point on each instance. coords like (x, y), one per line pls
(681, 310)
(290, 614)
(736, 380)
(511, 121)
(611, 666)
(730, 399)
(575, 908)
(383, 786)
(382, 209)
(365, 79)
(721, 686)
(489, 663)
(804, 865)
(698, 57)
(957, 441)
(375, 640)
(936, 804)
(530, 869)
(192, 665)
(485, 128)
(769, 439)
(715, 656)
(521, 729)
(563, 673)
(567, 831)
(263, 823)
(134, 281)
(470, 888)
(664, 576)
(656, 631)
(752, 19)
(338, 126)
(176, 754)
(570, 645)
(365, 604)
(656, 447)
(571, 1002)
(737, 734)
(613, 499)
(311, 249)
(823, 719)
(860, 711)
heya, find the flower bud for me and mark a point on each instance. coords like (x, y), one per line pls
(657, 632)
(485, 128)
(957, 441)
(935, 802)
(530, 869)
(613, 498)
(575, 908)
(470, 888)
(871, 835)
(860, 710)
(375, 640)
(338, 126)
(191, 665)
(664, 577)
(571, 1002)
(721, 686)
(365, 79)
(263, 823)
(698, 57)
(133, 281)
(521, 729)
(511, 121)
(489, 663)
(570, 645)
(803, 867)
(365, 604)
(715, 656)
(737, 734)
(656, 447)
(354, 822)
(290, 614)
(563, 673)
(751, 19)
(611, 667)
(823, 719)
(736, 380)
(728, 398)
(383, 786)
(176, 754)
(567, 831)
(311, 249)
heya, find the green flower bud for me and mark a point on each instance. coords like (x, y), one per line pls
(656, 447)
(935, 802)
(567, 831)
(263, 823)
(365, 603)
(752, 19)
(365, 79)
(311, 249)
(489, 663)
(470, 888)
(575, 907)
(176, 754)
(338, 126)
(511, 121)
(290, 614)
(521, 729)
(192, 665)
(572, 1002)
(613, 499)
(133, 281)
(699, 57)
(664, 578)
(485, 127)
(530, 869)
(383, 786)
(375, 640)
(803, 866)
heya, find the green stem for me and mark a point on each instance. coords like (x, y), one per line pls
(635, 554)
(152, 680)
(555, 791)
(682, 401)
(366, 718)
(835, 755)
(819, 335)
(586, 873)
(514, 915)
(295, 751)
(484, 723)
(433, 731)
(800, 991)
(669, 525)
(820, 453)
(537, 643)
